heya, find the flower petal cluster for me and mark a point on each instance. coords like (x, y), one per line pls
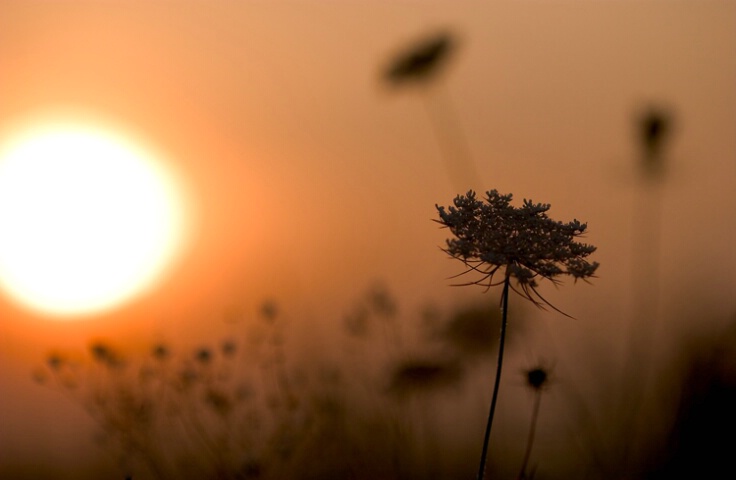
(492, 234)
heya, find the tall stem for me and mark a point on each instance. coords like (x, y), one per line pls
(499, 365)
(458, 160)
(532, 430)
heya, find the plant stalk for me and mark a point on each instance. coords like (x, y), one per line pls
(532, 430)
(499, 365)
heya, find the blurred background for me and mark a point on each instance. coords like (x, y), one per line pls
(310, 329)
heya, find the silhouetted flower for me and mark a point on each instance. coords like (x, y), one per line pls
(493, 234)
(228, 348)
(537, 378)
(269, 310)
(54, 361)
(160, 352)
(653, 128)
(106, 355)
(421, 61)
(382, 302)
(219, 402)
(100, 351)
(203, 355)
(378, 304)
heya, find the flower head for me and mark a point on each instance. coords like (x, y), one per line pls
(160, 352)
(421, 61)
(105, 355)
(229, 348)
(203, 355)
(653, 129)
(417, 375)
(55, 361)
(492, 234)
(537, 378)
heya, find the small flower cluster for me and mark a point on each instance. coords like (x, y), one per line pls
(525, 241)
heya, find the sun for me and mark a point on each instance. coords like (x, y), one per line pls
(88, 220)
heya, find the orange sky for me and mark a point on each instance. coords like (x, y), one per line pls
(311, 180)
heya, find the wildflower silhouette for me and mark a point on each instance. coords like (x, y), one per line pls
(422, 61)
(416, 375)
(525, 243)
(537, 379)
(653, 131)
(420, 66)
(653, 127)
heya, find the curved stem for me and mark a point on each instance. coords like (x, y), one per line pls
(499, 364)
(532, 430)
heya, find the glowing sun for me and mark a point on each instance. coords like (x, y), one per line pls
(87, 220)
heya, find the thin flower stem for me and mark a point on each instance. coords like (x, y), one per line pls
(499, 365)
(532, 431)
(458, 160)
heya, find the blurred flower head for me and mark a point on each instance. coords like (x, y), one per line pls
(382, 302)
(55, 361)
(492, 234)
(417, 375)
(105, 355)
(203, 355)
(654, 126)
(537, 378)
(160, 352)
(269, 310)
(421, 61)
(653, 129)
(218, 401)
(229, 348)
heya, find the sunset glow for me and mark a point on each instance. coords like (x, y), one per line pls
(88, 220)
(300, 240)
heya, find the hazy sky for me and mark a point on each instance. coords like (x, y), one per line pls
(312, 180)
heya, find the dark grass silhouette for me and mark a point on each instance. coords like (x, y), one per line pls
(221, 411)
(247, 409)
(700, 441)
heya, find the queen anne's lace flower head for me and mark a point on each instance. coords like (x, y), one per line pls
(492, 234)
